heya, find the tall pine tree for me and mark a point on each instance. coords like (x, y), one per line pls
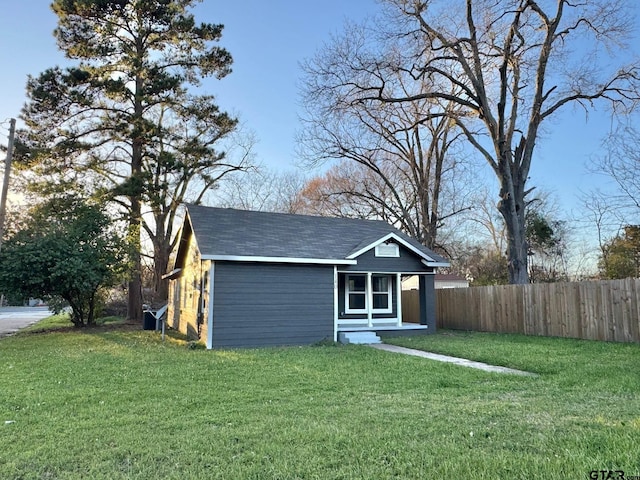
(122, 120)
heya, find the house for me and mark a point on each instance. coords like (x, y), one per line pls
(245, 278)
(450, 280)
(441, 280)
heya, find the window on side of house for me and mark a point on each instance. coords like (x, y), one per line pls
(356, 298)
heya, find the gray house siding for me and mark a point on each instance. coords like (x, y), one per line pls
(428, 302)
(259, 304)
(406, 262)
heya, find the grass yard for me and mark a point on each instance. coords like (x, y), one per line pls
(119, 404)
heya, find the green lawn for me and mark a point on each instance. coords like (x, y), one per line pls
(118, 404)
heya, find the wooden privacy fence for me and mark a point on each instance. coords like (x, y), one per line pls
(599, 310)
(411, 306)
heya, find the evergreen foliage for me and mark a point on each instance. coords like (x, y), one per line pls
(122, 121)
(66, 249)
(621, 255)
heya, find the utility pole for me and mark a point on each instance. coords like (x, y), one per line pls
(7, 173)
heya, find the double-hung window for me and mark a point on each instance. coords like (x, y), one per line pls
(357, 294)
(381, 287)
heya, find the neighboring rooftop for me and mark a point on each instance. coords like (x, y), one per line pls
(450, 277)
(231, 232)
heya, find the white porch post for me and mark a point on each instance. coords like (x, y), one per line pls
(335, 304)
(212, 278)
(369, 300)
(399, 298)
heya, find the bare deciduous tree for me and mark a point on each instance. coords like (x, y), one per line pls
(505, 67)
(350, 189)
(621, 164)
(408, 160)
(264, 190)
(345, 190)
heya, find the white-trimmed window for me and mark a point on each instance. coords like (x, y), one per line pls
(356, 294)
(357, 298)
(381, 287)
(387, 250)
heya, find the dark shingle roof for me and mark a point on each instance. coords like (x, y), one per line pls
(222, 232)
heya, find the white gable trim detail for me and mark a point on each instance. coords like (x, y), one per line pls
(436, 264)
(249, 258)
(404, 243)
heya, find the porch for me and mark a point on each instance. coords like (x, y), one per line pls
(388, 330)
(373, 302)
(373, 334)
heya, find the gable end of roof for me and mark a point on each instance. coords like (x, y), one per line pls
(386, 238)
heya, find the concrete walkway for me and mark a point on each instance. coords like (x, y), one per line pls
(13, 319)
(444, 358)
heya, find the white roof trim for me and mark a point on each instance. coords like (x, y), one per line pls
(172, 274)
(436, 264)
(375, 272)
(249, 258)
(395, 237)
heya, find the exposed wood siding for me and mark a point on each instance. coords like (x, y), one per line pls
(406, 262)
(182, 313)
(271, 304)
(173, 303)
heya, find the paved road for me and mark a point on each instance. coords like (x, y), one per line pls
(13, 319)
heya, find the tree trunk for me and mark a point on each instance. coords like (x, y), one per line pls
(134, 297)
(512, 209)
(92, 308)
(161, 265)
(134, 294)
(517, 257)
(76, 311)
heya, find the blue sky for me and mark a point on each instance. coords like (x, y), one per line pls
(267, 41)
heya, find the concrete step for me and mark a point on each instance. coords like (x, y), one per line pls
(365, 338)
